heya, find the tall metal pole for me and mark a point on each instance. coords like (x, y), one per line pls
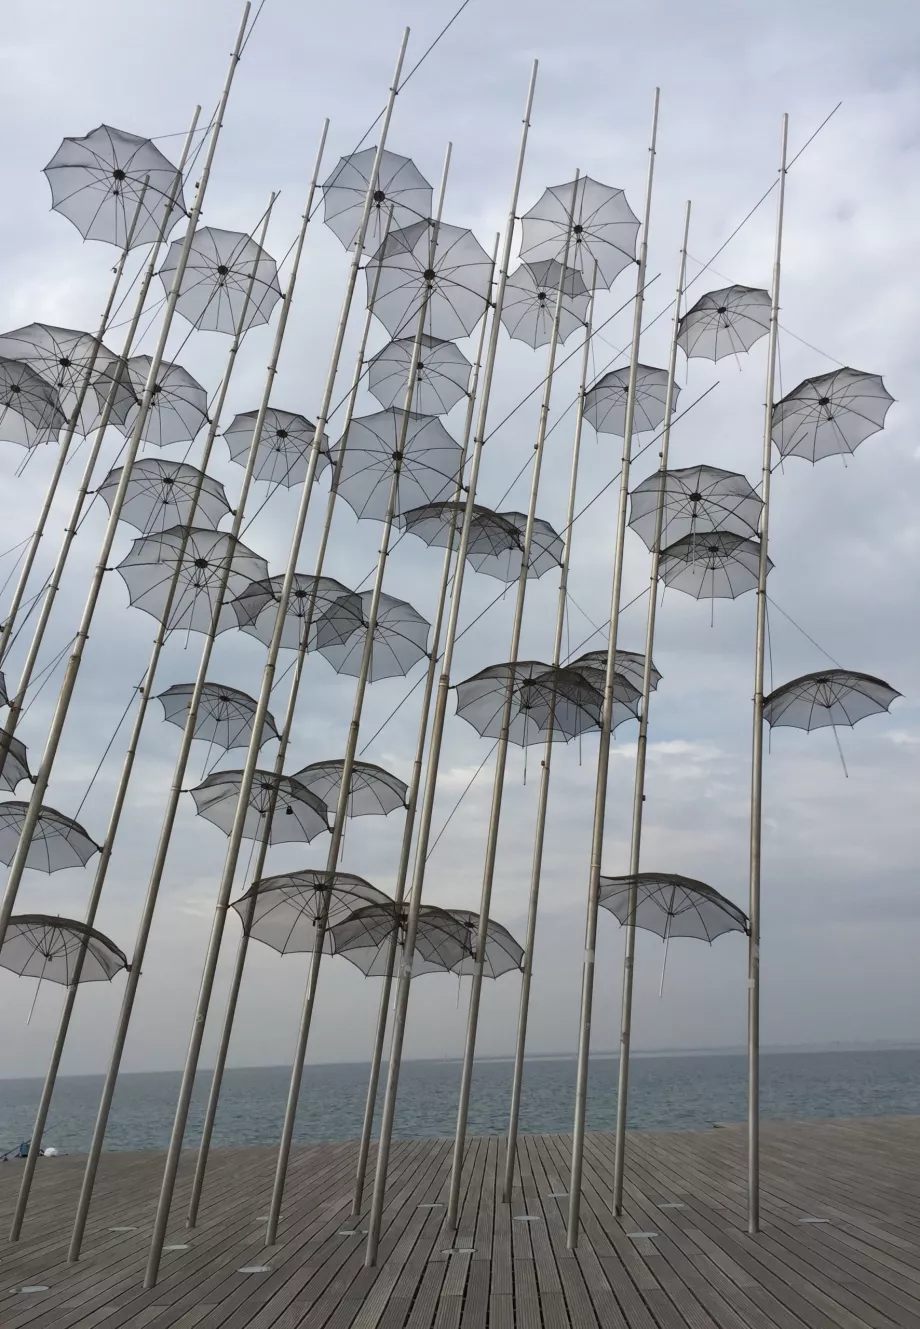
(757, 735)
(252, 755)
(501, 756)
(415, 780)
(642, 746)
(603, 757)
(545, 770)
(351, 746)
(437, 724)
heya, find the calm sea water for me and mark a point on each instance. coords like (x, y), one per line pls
(667, 1093)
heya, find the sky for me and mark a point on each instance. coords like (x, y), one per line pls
(841, 912)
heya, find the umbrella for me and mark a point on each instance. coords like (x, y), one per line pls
(603, 237)
(672, 906)
(400, 641)
(529, 306)
(14, 763)
(502, 952)
(441, 942)
(298, 814)
(716, 566)
(178, 404)
(4, 695)
(725, 322)
(832, 413)
(827, 697)
(454, 287)
(399, 186)
(442, 375)
(428, 462)
(544, 701)
(290, 907)
(697, 499)
(202, 557)
(221, 266)
(41, 946)
(546, 549)
(97, 182)
(62, 357)
(372, 790)
(333, 610)
(630, 665)
(30, 410)
(225, 714)
(57, 841)
(605, 403)
(496, 539)
(160, 494)
(285, 445)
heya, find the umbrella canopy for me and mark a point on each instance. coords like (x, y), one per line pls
(41, 946)
(496, 542)
(629, 664)
(716, 566)
(726, 322)
(831, 413)
(428, 464)
(63, 357)
(160, 494)
(15, 763)
(442, 375)
(290, 907)
(697, 499)
(178, 405)
(400, 641)
(202, 557)
(4, 695)
(225, 715)
(221, 265)
(672, 906)
(331, 609)
(372, 790)
(57, 842)
(529, 306)
(399, 186)
(98, 181)
(441, 942)
(30, 409)
(454, 287)
(603, 236)
(544, 701)
(605, 403)
(827, 697)
(502, 952)
(298, 815)
(285, 446)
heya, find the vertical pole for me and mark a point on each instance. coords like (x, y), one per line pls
(440, 712)
(757, 735)
(252, 755)
(603, 757)
(543, 797)
(642, 746)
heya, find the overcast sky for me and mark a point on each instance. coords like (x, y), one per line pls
(841, 910)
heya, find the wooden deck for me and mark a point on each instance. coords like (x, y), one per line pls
(840, 1246)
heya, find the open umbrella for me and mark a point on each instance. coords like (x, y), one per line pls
(161, 494)
(332, 610)
(285, 445)
(672, 906)
(543, 701)
(716, 565)
(603, 229)
(725, 322)
(454, 288)
(63, 357)
(502, 952)
(427, 464)
(225, 715)
(827, 697)
(371, 790)
(697, 499)
(442, 375)
(288, 908)
(221, 265)
(629, 664)
(400, 641)
(829, 414)
(298, 815)
(178, 405)
(15, 763)
(30, 409)
(42, 946)
(605, 403)
(441, 943)
(58, 842)
(529, 307)
(399, 185)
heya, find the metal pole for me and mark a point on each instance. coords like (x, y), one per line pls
(603, 757)
(545, 769)
(415, 783)
(437, 724)
(252, 755)
(351, 746)
(757, 736)
(642, 746)
(73, 664)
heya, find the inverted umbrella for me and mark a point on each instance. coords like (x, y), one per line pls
(605, 403)
(827, 697)
(427, 464)
(160, 494)
(225, 715)
(831, 413)
(288, 908)
(222, 265)
(332, 610)
(604, 229)
(42, 946)
(400, 641)
(454, 288)
(441, 943)
(502, 952)
(529, 306)
(442, 375)
(717, 565)
(285, 445)
(371, 789)
(298, 815)
(399, 185)
(30, 409)
(57, 842)
(697, 499)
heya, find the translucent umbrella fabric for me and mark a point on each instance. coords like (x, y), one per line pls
(46, 947)
(15, 767)
(496, 543)
(57, 842)
(442, 377)
(829, 414)
(400, 641)
(605, 403)
(178, 406)
(428, 465)
(603, 240)
(502, 952)
(627, 695)
(629, 664)
(441, 943)
(285, 445)
(225, 715)
(725, 322)
(221, 265)
(98, 181)
(399, 186)
(697, 499)
(716, 566)
(333, 611)
(63, 357)
(529, 307)
(672, 906)
(290, 906)
(371, 791)
(299, 815)
(30, 410)
(456, 285)
(828, 697)
(161, 494)
(150, 564)
(543, 701)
